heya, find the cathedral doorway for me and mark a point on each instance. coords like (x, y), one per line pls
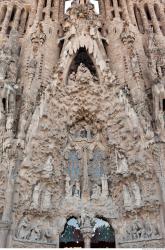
(71, 236)
(104, 235)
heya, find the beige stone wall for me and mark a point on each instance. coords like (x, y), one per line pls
(85, 90)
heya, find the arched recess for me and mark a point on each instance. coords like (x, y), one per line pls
(71, 237)
(82, 57)
(74, 61)
(103, 234)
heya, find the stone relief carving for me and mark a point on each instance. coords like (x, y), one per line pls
(132, 196)
(30, 231)
(121, 162)
(141, 230)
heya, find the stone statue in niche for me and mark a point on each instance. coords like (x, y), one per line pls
(72, 78)
(23, 229)
(47, 170)
(68, 186)
(127, 198)
(36, 196)
(8, 94)
(46, 198)
(132, 196)
(76, 192)
(96, 192)
(122, 165)
(83, 74)
(104, 182)
(136, 194)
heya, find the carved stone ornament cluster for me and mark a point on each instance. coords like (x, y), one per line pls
(82, 122)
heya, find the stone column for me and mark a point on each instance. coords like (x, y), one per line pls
(4, 229)
(144, 18)
(108, 9)
(87, 235)
(9, 194)
(7, 19)
(131, 11)
(85, 193)
(124, 10)
(39, 10)
(17, 18)
(48, 9)
(154, 18)
(116, 9)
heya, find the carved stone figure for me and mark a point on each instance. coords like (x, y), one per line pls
(127, 197)
(104, 181)
(36, 195)
(23, 229)
(77, 189)
(46, 199)
(96, 192)
(122, 165)
(68, 186)
(35, 233)
(136, 193)
(47, 170)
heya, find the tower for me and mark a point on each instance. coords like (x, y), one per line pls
(82, 120)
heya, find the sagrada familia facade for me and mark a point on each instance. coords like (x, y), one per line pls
(82, 120)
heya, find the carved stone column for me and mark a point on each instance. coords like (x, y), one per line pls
(87, 235)
(4, 228)
(7, 19)
(17, 19)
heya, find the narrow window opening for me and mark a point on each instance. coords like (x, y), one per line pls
(4, 104)
(26, 23)
(8, 30)
(163, 105)
(13, 14)
(111, 3)
(43, 15)
(61, 44)
(147, 12)
(105, 46)
(45, 3)
(157, 11)
(52, 3)
(113, 13)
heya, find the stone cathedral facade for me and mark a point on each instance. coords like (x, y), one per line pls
(82, 120)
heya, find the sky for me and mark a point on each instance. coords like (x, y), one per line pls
(95, 2)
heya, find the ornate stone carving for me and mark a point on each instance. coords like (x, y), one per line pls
(141, 230)
(132, 196)
(121, 162)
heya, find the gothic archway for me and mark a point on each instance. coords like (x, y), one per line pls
(83, 58)
(104, 235)
(71, 237)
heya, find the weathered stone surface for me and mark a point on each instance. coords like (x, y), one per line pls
(82, 120)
